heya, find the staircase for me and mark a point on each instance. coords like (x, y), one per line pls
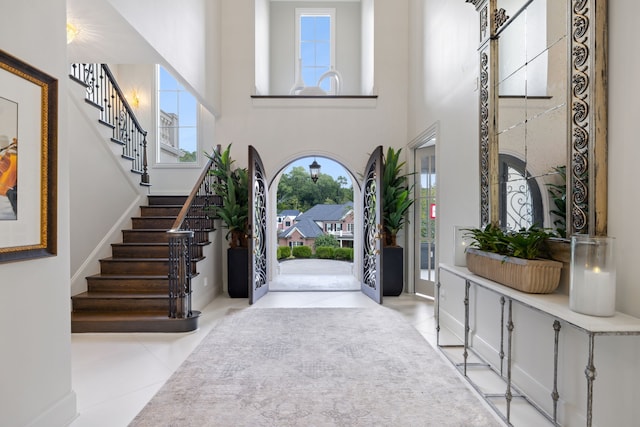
(131, 293)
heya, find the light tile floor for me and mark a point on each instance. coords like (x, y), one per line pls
(115, 375)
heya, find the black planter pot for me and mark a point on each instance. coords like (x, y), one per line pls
(392, 271)
(238, 272)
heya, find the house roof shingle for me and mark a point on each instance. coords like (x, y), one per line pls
(326, 212)
(307, 227)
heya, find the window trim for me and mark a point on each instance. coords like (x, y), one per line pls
(316, 11)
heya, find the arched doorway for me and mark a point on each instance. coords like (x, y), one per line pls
(306, 210)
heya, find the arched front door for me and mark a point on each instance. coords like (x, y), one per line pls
(258, 279)
(372, 227)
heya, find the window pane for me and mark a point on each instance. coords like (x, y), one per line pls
(188, 110)
(169, 102)
(188, 138)
(323, 23)
(307, 28)
(309, 76)
(323, 53)
(308, 54)
(315, 46)
(167, 82)
(177, 121)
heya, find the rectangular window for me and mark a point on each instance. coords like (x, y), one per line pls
(315, 46)
(177, 121)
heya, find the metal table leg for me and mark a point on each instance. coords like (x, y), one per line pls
(590, 372)
(508, 394)
(555, 395)
(465, 354)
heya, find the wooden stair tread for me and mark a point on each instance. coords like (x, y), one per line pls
(135, 259)
(82, 322)
(131, 291)
(107, 315)
(127, 276)
(119, 295)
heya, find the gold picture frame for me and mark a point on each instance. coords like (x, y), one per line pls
(28, 157)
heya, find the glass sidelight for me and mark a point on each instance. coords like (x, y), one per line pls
(426, 211)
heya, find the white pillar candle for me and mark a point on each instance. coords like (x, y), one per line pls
(596, 295)
(593, 276)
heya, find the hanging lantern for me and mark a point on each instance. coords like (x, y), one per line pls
(314, 170)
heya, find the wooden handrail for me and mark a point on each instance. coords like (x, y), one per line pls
(190, 228)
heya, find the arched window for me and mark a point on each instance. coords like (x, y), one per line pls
(520, 197)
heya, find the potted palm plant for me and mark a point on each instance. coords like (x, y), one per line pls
(232, 185)
(396, 201)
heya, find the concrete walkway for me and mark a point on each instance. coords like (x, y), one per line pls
(314, 275)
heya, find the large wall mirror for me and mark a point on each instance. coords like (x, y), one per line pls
(543, 114)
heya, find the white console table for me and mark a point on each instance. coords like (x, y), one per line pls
(555, 306)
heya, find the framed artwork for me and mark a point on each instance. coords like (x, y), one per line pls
(28, 161)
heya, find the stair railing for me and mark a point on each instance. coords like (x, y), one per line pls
(190, 228)
(115, 112)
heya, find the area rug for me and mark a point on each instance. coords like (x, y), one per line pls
(315, 367)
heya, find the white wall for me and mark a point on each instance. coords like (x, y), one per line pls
(446, 60)
(282, 46)
(187, 40)
(283, 130)
(104, 194)
(262, 47)
(347, 129)
(367, 57)
(35, 362)
(623, 153)
(443, 93)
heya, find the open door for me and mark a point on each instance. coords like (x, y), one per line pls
(258, 285)
(372, 227)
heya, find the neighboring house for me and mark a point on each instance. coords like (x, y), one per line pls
(320, 219)
(302, 233)
(286, 218)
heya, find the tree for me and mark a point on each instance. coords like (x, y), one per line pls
(188, 157)
(297, 191)
(326, 240)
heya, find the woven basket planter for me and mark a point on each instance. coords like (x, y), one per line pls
(531, 276)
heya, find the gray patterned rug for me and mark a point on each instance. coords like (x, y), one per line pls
(314, 367)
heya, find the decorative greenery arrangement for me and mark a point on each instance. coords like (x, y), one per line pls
(529, 243)
(396, 196)
(232, 185)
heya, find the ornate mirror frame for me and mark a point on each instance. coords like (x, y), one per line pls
(587, 114)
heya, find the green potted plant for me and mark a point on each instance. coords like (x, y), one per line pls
(396, 201)
(514, 258)
(232, 185)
